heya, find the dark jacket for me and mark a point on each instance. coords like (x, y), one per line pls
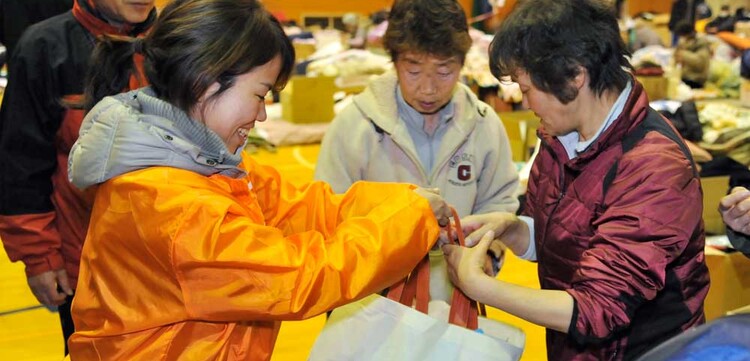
(687, 10)
(17, 15)
(722, 23)
(739, 241)
(43, 219)
(631, 256)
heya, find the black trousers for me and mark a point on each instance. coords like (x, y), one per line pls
(66, 320)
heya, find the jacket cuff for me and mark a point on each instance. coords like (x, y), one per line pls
(573, 332)
(572, 329)
(39, 265)
(30, 237)
(739, 241)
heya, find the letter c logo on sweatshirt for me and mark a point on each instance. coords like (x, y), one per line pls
(464, 172)
(461, 171)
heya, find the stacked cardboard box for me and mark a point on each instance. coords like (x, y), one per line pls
(730, 282)
(308, 100)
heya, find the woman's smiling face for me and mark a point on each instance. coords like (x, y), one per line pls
(234, 112)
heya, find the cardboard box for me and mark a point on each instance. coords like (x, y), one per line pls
(303, 49)
(655, 86)
(730, 282)
(513, 129)
(714, 188)
(520, 125)
(308, 100)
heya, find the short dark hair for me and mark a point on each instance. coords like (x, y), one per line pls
(436, 27)
(551, 44)
(193, 44)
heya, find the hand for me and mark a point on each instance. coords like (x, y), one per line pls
(466, 265)
(44, 287)
(735, 209)
(441, 209)
(512, 231)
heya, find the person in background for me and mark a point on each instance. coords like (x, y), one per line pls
(642, 33)
(420, 125)
(681, 11)
(722, 22)
(357, 27)
(17, 15)
(43, 219)
(195, 251)
(741, 14)
(693, 53)
(638, 29)
(612, 212)
(735, 210)
(377, 30)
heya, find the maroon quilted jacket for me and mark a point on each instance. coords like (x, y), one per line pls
(630, 255)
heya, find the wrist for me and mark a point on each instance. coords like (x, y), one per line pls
(518, 237)
(479, 292)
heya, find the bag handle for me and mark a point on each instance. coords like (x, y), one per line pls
(464, 311)
(414, 287)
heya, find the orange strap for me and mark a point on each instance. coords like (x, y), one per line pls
(464, 311)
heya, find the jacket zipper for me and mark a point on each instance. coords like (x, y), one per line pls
(614, 354)
(438, 167)
(408, 154)
(414, 160)
(419, 165)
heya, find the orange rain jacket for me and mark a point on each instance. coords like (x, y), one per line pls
(180, 266)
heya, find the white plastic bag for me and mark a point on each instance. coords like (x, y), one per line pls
(377, 328)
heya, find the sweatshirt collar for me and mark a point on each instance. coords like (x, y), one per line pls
(415, 118)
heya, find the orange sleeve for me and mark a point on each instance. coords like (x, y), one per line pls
(736, 41)
(315, 252)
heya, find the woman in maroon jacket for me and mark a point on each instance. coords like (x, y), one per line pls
(613, 207)
(43, 219)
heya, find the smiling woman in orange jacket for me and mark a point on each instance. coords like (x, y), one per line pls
(195, 251)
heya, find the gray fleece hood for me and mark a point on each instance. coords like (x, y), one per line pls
(137, 130)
